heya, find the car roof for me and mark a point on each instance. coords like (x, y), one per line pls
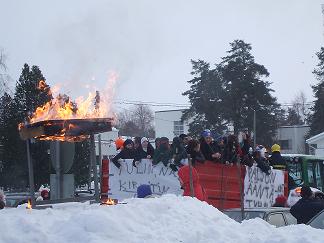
(272, 209)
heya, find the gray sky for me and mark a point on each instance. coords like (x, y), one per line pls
(150, 43)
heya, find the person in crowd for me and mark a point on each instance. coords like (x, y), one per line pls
(178, 152)
(184, 139)
(276, 160)
(194, 152)
(232, 150)
(144, 151)
(184, 178)
(144, 191)
(127, 152)
(209, 148)
(281, 201)
(2, 200)
(246, 143)
(137, 143)
(157, 142)
(119, 142)
(260, 159)
(306, 207)
(163, 152)
(43, 196)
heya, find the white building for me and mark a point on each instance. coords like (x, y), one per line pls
(292, 138)
(108, 147)
(168, 124)
(316, 144)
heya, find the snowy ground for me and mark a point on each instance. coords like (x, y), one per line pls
(166, 219)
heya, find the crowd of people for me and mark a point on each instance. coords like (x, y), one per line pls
(221, 149)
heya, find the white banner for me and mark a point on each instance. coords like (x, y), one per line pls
(123, 182)
(261, 190)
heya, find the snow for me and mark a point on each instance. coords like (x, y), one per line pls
(169, 218)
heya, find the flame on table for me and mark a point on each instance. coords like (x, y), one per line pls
(109, 201)
(29, 205)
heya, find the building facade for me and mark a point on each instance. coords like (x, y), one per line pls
(292, 139)
(168, 124)
(316, 144)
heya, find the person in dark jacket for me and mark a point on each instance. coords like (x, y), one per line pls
(276, 160)
(209, 148)
(163, 152)
(194, 152)
(178, 151)
(144, 151)
(184, 140)
(127, 152)
(306, 207)
(232, 150)
(184, 178)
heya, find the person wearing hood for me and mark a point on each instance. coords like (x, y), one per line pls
(184, 178)
(144, 151)
(259, 158)
(128, 152)
(144, 191)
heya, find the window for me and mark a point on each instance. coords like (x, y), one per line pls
(276, 219)
(290, 219)
(318, 221)
(285, 144)
(177, 128)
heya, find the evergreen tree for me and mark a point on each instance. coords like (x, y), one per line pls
(317, 118)
(293, 118)
(31, 92)
(231, 93)
(80, 167)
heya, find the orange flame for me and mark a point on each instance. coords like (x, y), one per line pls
(62, 108)
(109, 201)
(29, 205)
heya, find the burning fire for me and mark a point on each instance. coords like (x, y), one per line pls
(109, 201)
(29, 205)
(62, 107)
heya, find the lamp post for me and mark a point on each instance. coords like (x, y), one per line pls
(254, 127)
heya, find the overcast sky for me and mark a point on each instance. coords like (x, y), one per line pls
(150, 43)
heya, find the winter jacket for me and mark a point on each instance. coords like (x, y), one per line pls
(184, 175)
(263, 165)
(277, 161)
(144, 191)
(124, 154)
(162, 154)
(306, 208)
(178, 151)
(196, 156)
(208, 149)
(140, 153)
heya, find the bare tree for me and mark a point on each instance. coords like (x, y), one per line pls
(137, 121)
(300, 106)
(4, 77)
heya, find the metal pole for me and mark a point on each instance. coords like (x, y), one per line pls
(58, 170)
(31, 175)
(241, 188)
(94, 166)
(254, 128)
(192, 192)
(100, 157)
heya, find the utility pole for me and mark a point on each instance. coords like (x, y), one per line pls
(254, 128)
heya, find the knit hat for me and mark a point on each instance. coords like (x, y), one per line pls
(275, 148)
(206, 133)
(119, 142)
(144, 139)
(44, 194)
(281, 200)
(128, 141)
(306, 192)
(144, 191)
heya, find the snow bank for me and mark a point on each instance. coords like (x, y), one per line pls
(166, 219)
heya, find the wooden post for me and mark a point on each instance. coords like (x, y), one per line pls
(31, 175)
(94, 166)
(192, 192)
(241, 187)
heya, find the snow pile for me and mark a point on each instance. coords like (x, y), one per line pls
(166, 219)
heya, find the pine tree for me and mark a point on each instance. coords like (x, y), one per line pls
(231, 93)
(317, 118)
(31, 92)
(293, 118)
